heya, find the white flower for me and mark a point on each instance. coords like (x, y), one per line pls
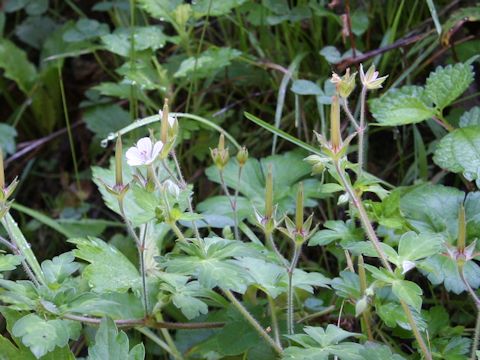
(144, 153)
(370, 79)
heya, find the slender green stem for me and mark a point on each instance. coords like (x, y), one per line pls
(184, 186)
(361, 131)
(291, 269)
(16, 236)
(152, 336)
(476, 300)
(232, 203)
(273, 247)
(69, 128)
(241, 309)
(476, 338)
(177, 232)
(169, 340)
(235, 199)
(273, 315)
(141, 250)
(367, 225)
(143, 272)
(349, 114)
(25, 266)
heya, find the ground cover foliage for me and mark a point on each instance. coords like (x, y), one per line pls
(239, 179)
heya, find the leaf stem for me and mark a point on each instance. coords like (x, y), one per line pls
(242, 310)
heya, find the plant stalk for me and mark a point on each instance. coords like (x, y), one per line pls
(16, 236)
(367, 225)
(290, 270)
(232, 203)
(241, 309)
(361, 131)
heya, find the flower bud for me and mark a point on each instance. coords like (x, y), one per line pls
(335, 132)
(171, 188)
(220, 155)
(345, 84)
(360, 306)
(242, 156)
(318, 163)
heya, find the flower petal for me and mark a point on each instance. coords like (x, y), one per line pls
(145, 145)
(134, 157)
(157, 148)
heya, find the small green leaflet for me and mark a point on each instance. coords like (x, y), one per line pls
(207, 63)
(459, 152)
(42, 336)
(470, 118)
(145, 37)
(321, 344)
(113, 345)
(401, 106)
(9, 262)
(409, 292)
(446, 84)
(211, 261)
(109, 270)
(59, 268)
(412, 104)
(337, 230)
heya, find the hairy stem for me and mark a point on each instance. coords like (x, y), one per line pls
(476, 300)
(25, 266)
(367, 225)
(147, 322)
(290, 270)
(273, 315)
(349, 114)
(177, 231)
(271, 244)
(184, 186)
(169, 340)
(152, 336)
(241, 309)
(16, 236)
(232, 203)
(141, 249)
(361, 131)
